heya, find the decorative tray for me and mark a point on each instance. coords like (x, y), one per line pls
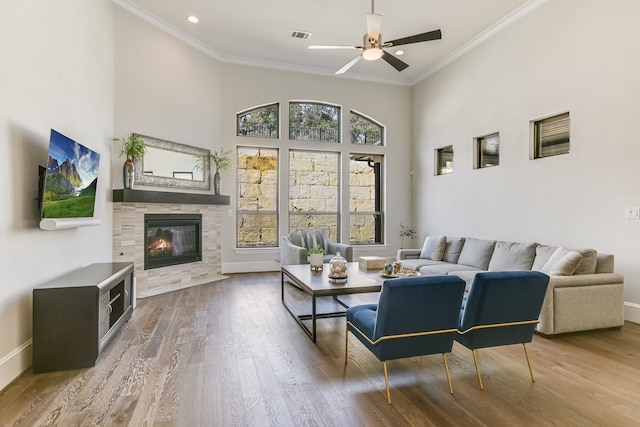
(404, 273)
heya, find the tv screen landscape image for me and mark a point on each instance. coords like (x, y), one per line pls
(71, 179)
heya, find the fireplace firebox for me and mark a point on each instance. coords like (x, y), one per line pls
(172, 239)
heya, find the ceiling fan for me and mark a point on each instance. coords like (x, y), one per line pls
(373, 48)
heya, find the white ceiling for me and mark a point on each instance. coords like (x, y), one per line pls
(259, 32)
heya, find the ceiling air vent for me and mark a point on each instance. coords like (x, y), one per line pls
(300, 34)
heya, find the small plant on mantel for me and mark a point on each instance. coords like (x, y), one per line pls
(407, 231)
(133, 147)
(222, 160)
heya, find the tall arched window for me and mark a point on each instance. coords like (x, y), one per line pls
(314, 183)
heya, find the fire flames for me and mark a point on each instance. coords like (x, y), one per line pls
(160, 247)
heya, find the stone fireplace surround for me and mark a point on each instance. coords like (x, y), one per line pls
(129, 208)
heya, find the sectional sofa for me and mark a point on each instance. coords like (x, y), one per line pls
(584, 292)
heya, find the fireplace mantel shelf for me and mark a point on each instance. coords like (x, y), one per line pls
(143, 196)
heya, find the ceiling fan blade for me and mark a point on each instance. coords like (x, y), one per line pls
(424, 37)
(394, 62)
(349, 65)
(374, 24)
(313, 46)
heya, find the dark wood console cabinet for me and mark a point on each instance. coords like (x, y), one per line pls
(76, 315)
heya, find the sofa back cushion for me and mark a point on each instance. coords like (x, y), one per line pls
(512, 256)
(605, 263)
(543, 253)
(563, 262)
(452, 249)
(433, 248)
(477, 252)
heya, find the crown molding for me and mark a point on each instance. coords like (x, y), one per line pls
(154, 20)
(168, 28)
(496, 28)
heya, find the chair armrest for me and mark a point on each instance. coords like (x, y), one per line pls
(345, 250)
(408, 254)
(290, 253)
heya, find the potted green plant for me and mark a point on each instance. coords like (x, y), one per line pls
(407, 231)
(316, 258)
(133, 147)
(222, 160)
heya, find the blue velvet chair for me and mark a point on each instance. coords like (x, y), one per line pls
(502, 308)
(414, 316)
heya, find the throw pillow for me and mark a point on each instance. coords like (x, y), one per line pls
(313, 239)
(296, 238)
(543, 253)
(588, 263)
(433, 248)
(563, 262)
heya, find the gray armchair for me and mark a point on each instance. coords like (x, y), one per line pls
(293, 250)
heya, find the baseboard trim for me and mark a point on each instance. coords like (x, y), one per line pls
(250, 267)
(14, 364)
(632, 312)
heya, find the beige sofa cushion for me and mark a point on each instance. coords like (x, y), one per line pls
(477, 252)
(512, 256)
(563, 262)
(433, 248)
(589, 261)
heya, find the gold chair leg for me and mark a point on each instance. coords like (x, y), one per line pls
(475, 360)
(526, 353)
(446, 368)
(386, 381)
(346, 344)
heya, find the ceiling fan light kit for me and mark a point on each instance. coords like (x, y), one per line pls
(372, 53)
(373, 48)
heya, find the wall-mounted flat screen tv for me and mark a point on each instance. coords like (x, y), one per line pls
(71, 179)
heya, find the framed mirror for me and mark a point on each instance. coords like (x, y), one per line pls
(173, 165)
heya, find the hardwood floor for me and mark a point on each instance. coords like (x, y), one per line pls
(229, 354)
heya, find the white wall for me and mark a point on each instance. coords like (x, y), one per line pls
(57, 72)
(169, 90)
(572, 55)
(163, 88)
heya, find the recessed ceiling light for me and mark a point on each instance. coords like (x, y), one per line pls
(400, 52)
(193, 19)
